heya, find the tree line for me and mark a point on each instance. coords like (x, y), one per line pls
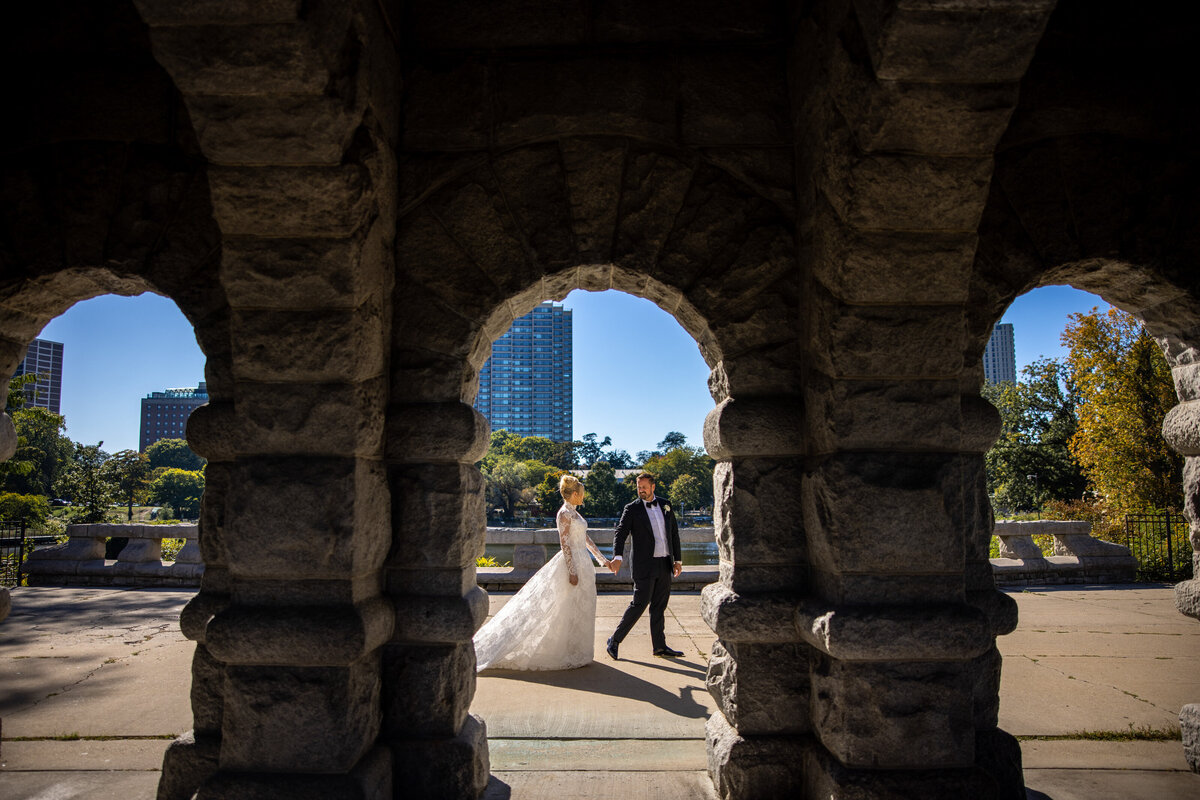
(48, 467)
(1082, 437)
(521, 474)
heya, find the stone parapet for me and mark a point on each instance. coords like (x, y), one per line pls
(1078, 558)
(81, 560)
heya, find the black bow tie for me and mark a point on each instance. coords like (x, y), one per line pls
(650, 503)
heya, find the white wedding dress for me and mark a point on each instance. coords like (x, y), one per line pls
(548, 624)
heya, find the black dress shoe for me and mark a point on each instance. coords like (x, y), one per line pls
(666, 652)
(611, 648)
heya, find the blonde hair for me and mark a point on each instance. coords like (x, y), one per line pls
(569, 486)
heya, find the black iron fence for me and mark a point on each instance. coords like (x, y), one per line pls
(17, 540)
(1160, 544)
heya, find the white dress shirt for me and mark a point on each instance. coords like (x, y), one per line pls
(659, 525)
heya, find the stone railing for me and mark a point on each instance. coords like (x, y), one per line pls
(81, 562)
(1078, 558)
(529, 555)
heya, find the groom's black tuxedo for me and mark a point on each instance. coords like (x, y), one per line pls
(651, 576)
(635, 522)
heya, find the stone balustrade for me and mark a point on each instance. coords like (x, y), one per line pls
(81, 560)
(529, 555)
(1078, 557)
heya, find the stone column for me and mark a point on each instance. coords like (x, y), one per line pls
(758, 670)
(294, 107)
(438, 748)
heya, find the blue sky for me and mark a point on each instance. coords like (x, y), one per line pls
(638, 374)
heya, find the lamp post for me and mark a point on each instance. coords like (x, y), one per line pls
(1036, 501)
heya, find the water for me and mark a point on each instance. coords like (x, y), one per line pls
(695, 554)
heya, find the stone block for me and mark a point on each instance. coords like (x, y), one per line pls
(826, 777)
(947, 118)
(447, 106)
(437, 515)
(288, 274)
(310, 636)
(1181, 428)
(427, 690)
(463, 24)
(269, 59)
(405, 578)
(535, 193)
(278, 717)
(429, 257)
(889, 342)
(445, 767)
(436, 432)
(290, 202)
(894, 715)
(189, 761)
(952, 41)
(653, 191)
(733, 98)
(850, 414)
(761, 689)
(141, 551)
(620, 95)
(985, 673)
(593, 171)
(319, 518)
(217, 485)
(1189, 723)
(311, 346)
(930, 632)
(892, 192)
(370, 779)
(758, 513)
(889, 267)
(207, 693)
(755, 427)
(630, 21)
(911, 528)
(439, 619)
(1187, 598)
(218, 12)
(767, 170)
(763, 618)
(748, 767)
(289, 129)
(333, 419)
(1187, 381)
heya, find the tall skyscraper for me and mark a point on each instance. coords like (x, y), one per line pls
(1000, 357)
(46, 359)
(165, 413)
(526, 385)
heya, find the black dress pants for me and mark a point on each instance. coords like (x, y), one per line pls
(653, 590)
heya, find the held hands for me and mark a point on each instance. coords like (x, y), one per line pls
(678, 568)
(615, 566)
(574, 579)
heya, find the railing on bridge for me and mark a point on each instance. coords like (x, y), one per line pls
(1160, 544)
(1078, 558)
(81, 560)
(16, 542)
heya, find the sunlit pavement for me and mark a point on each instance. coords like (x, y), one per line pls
(79, 664)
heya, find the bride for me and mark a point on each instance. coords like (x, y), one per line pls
(551, 622)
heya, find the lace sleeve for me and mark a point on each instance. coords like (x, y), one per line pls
(564, 526)
(595, 551)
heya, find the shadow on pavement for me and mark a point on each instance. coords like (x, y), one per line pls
(603, 679)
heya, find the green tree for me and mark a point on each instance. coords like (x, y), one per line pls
(129, 470)
(31, 509)
(604, 495)
(510, 483)
(672, 441)
(173, 453)
(18, 391)
(693, 461)
(42, 450)
(1031, 463)
(589, 451)
(86, 482)
(546, 493)
(686, 492)
(179, 488)
(1125, 391)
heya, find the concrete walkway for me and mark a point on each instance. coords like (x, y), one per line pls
(94, 683)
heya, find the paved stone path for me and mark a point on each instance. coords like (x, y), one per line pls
(92, 663)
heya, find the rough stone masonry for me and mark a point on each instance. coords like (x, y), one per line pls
(350, 199)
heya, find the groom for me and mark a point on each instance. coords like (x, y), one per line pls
(656, 559)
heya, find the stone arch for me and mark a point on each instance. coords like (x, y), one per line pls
(534, 223)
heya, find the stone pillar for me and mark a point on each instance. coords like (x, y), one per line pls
(758, 670)
(438, 528)
(294, 107)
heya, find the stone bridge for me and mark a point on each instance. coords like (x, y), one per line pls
(350, 199)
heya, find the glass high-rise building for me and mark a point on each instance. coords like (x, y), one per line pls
(999, 357)
(526, 386)
(46, 359)
(165, 414)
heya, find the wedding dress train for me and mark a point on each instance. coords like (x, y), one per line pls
(548, 624)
